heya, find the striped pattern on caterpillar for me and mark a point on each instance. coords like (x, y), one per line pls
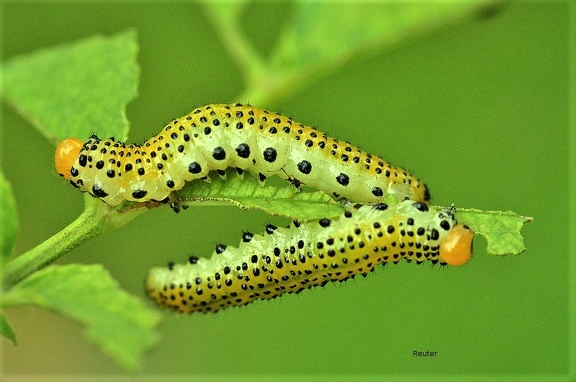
(215, 137)
(288, 260)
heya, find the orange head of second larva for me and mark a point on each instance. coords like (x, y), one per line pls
(456, 248)
(66, 153)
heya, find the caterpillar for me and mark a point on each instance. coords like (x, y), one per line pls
(215, 137)
(288, 260)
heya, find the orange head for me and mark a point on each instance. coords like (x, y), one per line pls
(456, 248)
(65, 156)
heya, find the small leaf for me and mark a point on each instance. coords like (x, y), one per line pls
(321, 33)
(501, 229)
(8, 221)
(65, 90)
(6, 329)
(321, 36)
(247, 193)
(120, 324)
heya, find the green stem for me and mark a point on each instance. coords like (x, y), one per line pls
(96, 219)
(241, 49)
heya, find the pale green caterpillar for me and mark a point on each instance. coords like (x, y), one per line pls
(215, 137)
(288, 260)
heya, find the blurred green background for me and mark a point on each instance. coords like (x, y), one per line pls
(478, 110)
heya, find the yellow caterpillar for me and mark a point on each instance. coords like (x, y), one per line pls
(288, 260)
(215, 137)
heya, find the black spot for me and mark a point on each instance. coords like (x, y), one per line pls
(82, 160)
(100, 164)
(99, 192)
(193, 259)
(247, 236)
(324, 222)
(220, 248)
(305, 167)
(219, 153)
(243, 150)
(434, 234)
(128, 167)
(377, 191)
(110, 173)
(270, 228)
(343, 179)
(420, 206)
(139, 194)
(170, 184)
(270, 154)
(445, 225)
(194, 168)
(348, 214)
(207, 130)
(380, 206)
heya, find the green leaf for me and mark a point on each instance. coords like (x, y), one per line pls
(500, 229)
(6, 329)
(120, 324)
(64, 90)
(322, 36)
(247, 193)
(321, 33)
(8, 221)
